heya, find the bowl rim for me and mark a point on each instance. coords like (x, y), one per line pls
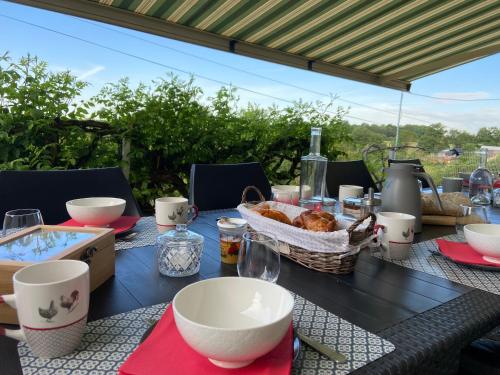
(286, 292)
(74, 202)
(469, 226)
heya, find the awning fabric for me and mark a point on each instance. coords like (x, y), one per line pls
(384, 42)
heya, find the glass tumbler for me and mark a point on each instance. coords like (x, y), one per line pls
(471, 214)
(16, 220)
(259, 256)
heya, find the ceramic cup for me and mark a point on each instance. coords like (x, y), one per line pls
(52, 302)
(174, 210)
(346, 191)
(452, 184)
(286, 194)
(396, 231)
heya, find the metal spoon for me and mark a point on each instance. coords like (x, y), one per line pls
(322, 348)
(128, 237)
(296, 346)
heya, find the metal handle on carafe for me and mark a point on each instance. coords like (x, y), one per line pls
(430, 181)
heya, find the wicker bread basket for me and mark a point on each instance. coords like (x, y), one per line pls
(307, 247)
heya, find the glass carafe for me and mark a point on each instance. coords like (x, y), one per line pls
(481, 182)
(313, 174)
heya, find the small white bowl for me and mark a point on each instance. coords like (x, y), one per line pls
(96, 211)
(233, 320)
(485, 239)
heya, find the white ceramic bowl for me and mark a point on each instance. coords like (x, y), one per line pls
(485, 239)
(96, 211)
(233, 320)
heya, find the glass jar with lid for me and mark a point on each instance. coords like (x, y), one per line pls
(179, 252)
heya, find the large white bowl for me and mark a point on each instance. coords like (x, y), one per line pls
(485, 239)
(96, 211)
(233, 320)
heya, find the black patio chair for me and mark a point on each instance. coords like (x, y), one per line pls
(352, 172)
(50, 190)
(219, 186)
(425, 185)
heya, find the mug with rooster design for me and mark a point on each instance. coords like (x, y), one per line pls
(396, 231)
(170, 211)
(52, 303)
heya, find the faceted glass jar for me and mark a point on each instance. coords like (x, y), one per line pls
(179, 252)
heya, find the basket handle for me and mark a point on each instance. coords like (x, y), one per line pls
(357, 223)
(254, 188)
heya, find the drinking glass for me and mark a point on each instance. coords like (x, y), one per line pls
(16, 220)
(471, 214)
(259, 256)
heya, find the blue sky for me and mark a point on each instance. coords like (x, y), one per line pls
(479, 79)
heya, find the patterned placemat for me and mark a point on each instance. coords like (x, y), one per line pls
(108, 342)
(147, 232)
(424, 256)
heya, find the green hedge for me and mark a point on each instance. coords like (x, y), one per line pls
(168, 124)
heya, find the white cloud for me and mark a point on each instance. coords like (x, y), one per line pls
(89, 73)
(462, 95)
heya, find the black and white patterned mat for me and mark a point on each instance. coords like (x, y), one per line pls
(146, 230)
(424, 256)
(108, 342)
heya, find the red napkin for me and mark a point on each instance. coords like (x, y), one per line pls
(166, 352)
(120, 225)
(463, 253)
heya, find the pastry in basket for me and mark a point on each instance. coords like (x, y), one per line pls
(317, 221)
(265, 210)
(275, 215)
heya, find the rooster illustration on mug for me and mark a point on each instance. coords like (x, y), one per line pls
(69, 303)
(49, 313)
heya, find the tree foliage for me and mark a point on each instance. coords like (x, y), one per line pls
(168, 124)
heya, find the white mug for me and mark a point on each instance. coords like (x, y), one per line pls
(52, 303)
(346, 191)
(396, 231)
(174, 210)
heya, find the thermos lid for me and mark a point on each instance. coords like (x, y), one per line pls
(371, 200)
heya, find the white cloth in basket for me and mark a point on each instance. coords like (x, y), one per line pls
(326, 242)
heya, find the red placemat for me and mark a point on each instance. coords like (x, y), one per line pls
(462, 252)
(123, 224)
(166, 352)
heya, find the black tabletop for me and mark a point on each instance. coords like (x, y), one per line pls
(377, 296)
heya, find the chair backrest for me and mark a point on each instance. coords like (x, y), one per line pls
(352, 172)
(219, 186)
(50, 190)
(425, 185)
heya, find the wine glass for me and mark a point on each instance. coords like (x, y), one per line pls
(259, 256)
(16, 220)
(471, 214)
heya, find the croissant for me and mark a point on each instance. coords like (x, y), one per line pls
(275, 215)
(317, 221)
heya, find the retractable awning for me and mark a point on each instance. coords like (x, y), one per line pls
(383, 42)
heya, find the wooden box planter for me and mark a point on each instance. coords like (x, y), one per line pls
(96, 246)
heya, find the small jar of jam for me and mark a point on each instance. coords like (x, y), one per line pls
(230, 235)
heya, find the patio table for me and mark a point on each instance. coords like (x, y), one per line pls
(429, 319)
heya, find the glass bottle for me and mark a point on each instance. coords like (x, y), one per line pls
(313, 174)
(481, 182)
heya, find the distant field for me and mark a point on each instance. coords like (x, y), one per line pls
(436, 165)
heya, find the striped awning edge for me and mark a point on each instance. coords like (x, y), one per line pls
(383, 42)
